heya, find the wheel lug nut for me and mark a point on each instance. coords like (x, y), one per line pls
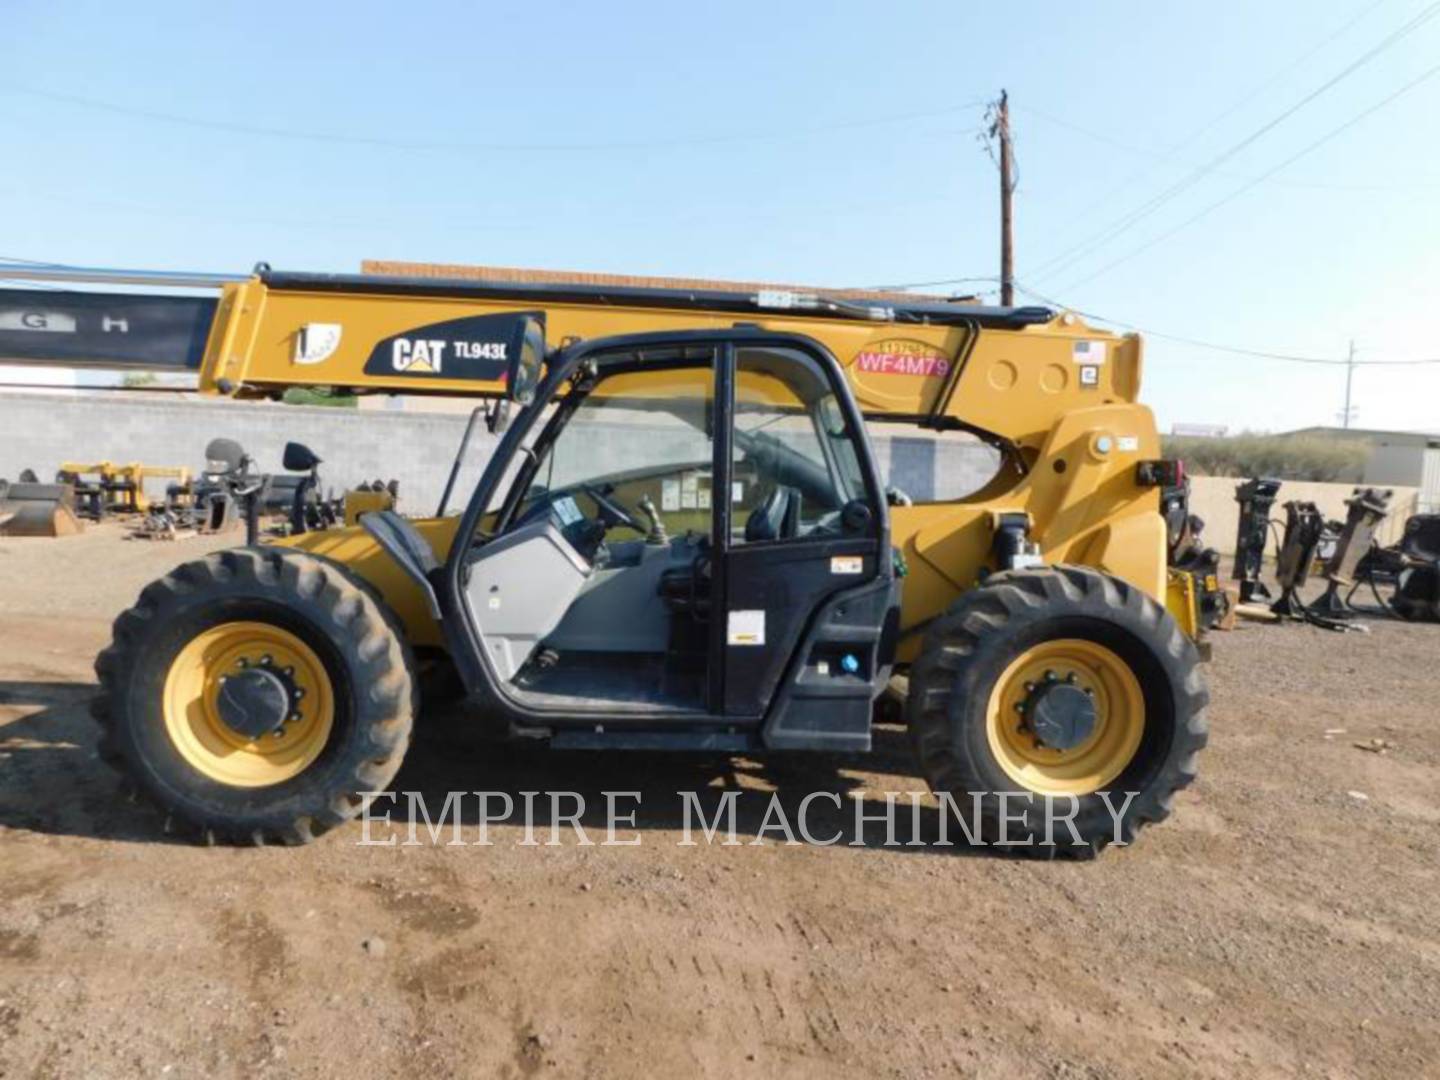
(1029, 687)
(266, 660)
(1070, 678)
(1050, 676)
(1019, 706)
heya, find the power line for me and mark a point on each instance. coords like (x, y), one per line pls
(1261, 354)
(1095, 205)
(1134, 217)
(932, 284)
(1126, 222)
(1333, 133)
(1164, 157)
(1275, 77)
(234, 128)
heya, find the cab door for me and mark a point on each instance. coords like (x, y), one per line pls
(810, 600)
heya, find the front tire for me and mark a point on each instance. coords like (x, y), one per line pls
(256, 695)
(1043, 692)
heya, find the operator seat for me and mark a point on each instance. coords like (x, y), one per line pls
(777, 518)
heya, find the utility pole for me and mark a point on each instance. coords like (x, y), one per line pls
(1349, 383)
(1000, 130)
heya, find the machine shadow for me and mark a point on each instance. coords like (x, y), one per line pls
(53, 782)
(822, 789)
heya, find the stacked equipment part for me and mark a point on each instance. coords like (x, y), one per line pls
(1256, 497)
(1367, 508)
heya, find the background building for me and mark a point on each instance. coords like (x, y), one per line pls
(1397, 459)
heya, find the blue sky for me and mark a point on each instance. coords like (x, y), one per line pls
(822, 143)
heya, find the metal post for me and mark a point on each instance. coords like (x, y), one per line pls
(1000, 129)
(252, 519)
(475, 415)
(1349, 382)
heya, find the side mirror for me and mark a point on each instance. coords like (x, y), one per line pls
(225, 455)
(856, 517)
(526, 362)
(299, 458)
(522, 377)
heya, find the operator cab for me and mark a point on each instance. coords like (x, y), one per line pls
(682, 541)
(596, 587)
(656, 540)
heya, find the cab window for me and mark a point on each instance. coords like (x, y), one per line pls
(795, 464)
(637, 436)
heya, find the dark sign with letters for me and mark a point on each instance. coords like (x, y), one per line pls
(477, 347)
(122, 330)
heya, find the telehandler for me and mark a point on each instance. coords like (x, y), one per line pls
(681, 541)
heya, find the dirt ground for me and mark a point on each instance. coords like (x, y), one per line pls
(1284, 921)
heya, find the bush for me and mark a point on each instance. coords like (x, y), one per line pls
(1285, 457)
(318, 395)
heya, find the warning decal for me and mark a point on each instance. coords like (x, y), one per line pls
(745, 628)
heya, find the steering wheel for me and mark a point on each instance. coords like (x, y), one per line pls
(611, 512)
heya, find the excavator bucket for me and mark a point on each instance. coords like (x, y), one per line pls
(37, 510)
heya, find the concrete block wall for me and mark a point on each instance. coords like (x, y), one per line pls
(39, 431)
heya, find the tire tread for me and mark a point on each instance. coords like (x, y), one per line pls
(987, 612)
(368, 631)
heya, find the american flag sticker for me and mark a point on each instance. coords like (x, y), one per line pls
(1089, 352)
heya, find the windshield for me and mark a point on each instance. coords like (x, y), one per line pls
(608, 438)
(637, 435)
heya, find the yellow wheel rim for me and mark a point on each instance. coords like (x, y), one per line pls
(208, 744)
(1119, 718)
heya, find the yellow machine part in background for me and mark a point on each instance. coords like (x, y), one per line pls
(125, 481)
(364, 502)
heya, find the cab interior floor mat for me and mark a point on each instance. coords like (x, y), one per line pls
(650, 681)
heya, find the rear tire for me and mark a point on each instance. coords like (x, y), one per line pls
(984, 662)
(338, 654)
